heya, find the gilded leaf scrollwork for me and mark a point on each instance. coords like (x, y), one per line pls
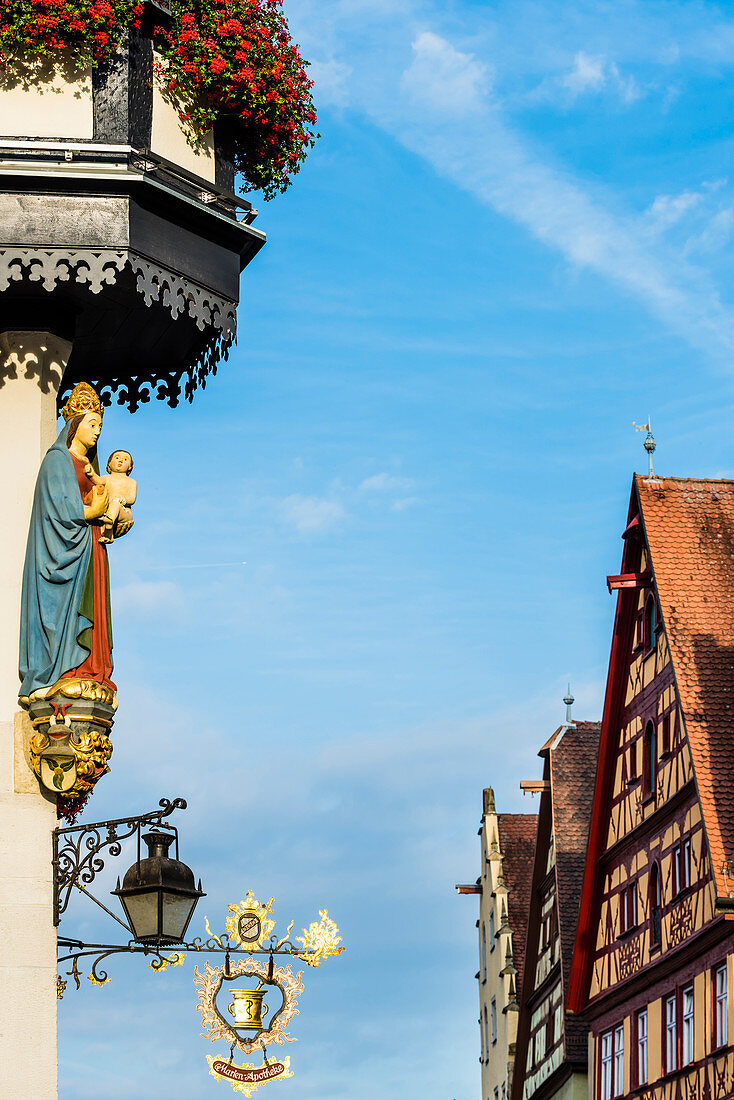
(320, 940)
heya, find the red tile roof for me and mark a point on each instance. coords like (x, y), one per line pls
(689, 526)
(517, 844)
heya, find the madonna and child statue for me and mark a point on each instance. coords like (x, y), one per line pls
(66, 624)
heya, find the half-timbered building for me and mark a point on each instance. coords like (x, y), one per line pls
(653, 964)
(551, 1050)
(507, 846)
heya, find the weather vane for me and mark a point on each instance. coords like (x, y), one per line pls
(649, 443)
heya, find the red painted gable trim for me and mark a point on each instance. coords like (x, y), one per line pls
(583, 953)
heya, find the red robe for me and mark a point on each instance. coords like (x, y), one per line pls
(98, 665)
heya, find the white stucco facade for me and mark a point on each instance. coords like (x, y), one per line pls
(170, 137)
(42, 101)
(497, 977)
(28, 1051)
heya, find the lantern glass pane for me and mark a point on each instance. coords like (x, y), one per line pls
(176, 913)
(142, 910)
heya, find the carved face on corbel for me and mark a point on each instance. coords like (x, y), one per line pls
(71, 745)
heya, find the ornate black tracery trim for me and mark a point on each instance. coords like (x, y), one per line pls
(214, 316)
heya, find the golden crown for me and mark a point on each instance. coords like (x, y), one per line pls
(82, 399)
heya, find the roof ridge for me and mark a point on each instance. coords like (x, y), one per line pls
(688, 480)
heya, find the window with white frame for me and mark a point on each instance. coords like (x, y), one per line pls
(607, 1067)
(681, 867)
(688, 1028)
(655, 901)
(649, 761)
(484, 953)
(628, 908)
(641, 1062)
(618, 1060)
(491, 929)
(540, 1044)
(485, 1034)
(493, 1011)
(671, 1033)
(721, 1014)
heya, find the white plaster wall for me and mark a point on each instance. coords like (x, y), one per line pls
(498, 1060)
(575, 1088)
(28, 1058)
(39, 101)
(168, 139)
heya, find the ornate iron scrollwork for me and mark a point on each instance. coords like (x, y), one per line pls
(76, 858)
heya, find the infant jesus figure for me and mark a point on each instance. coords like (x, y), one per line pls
(123, 492)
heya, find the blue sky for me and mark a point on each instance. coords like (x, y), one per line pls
(512, 240)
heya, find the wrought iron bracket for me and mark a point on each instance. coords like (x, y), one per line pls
(76, 860)
(163, 955)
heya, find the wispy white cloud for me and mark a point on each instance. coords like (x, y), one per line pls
(385, 483)
(588, 74)
(403, 503)
(666, 210)
(592, 74)
(331, 80)
(436, 97)
(482, 153)
(443, 78)
(715, 235)
(311, 514)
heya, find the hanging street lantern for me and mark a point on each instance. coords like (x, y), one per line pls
(158, 893)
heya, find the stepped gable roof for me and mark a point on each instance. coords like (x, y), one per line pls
(689, 525)
(517, 844)
(572, 776)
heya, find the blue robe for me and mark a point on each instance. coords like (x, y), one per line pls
(56, 563)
